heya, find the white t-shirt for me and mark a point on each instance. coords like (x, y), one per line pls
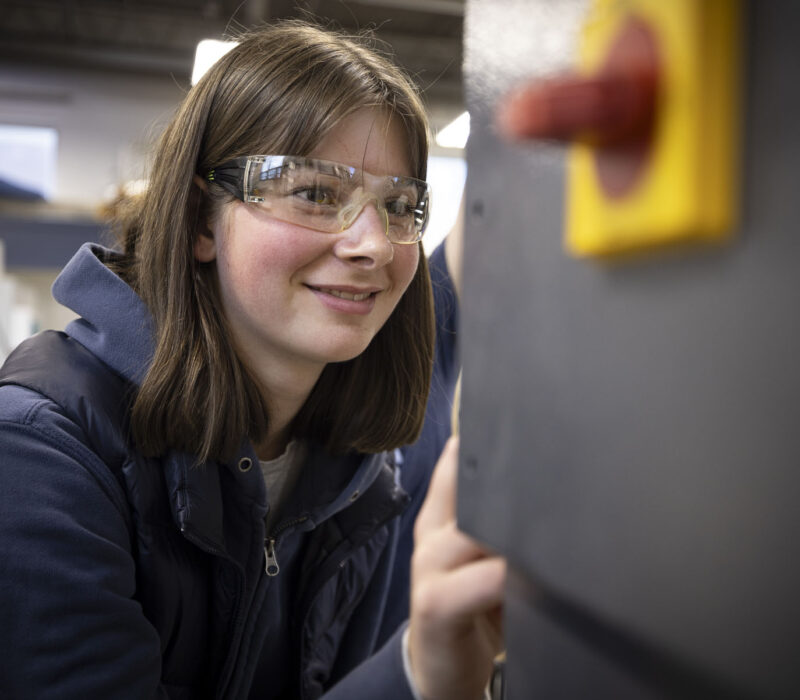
(280, 476)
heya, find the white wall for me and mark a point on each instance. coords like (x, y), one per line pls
(105, 122)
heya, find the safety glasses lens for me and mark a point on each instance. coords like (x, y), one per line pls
(329, 197)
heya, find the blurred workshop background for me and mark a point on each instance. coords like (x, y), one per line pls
(87, 85)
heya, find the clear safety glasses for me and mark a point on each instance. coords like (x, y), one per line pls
(326, 196)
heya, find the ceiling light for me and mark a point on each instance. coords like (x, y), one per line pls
(208, 52)
(455, 134)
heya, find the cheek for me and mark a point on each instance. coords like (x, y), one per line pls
(258, 257)
(406, 261)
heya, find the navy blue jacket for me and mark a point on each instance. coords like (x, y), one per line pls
(126, 577)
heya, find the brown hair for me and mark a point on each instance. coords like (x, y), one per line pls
(280, 90)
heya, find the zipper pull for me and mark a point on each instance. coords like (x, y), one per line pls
(271, 567)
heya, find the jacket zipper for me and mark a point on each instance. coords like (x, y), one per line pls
(271, 566)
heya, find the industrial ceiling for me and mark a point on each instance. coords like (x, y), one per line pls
(160, 36)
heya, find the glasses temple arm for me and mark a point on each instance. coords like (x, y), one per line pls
(228, 178)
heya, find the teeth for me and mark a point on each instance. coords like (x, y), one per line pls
(346, 295)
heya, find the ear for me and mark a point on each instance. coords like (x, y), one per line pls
(200, 182)
(205, 248)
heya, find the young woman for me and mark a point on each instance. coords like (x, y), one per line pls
(198, 494)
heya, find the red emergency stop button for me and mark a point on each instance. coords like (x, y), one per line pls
(614, 109)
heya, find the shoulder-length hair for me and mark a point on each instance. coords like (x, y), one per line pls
(281, 90)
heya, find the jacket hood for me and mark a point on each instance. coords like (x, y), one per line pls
(114, 322)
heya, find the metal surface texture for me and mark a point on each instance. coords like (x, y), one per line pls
(629, 430)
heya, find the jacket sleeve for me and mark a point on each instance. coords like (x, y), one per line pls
(71, 628)
(381, 676)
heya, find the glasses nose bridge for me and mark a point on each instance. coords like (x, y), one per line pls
(359, 199)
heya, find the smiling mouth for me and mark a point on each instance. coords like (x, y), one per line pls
(345, 295)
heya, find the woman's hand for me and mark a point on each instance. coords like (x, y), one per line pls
(456, 597)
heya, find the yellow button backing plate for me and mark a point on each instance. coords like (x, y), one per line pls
(688, 191)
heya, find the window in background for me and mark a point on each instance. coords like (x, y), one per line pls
(446, 176)
(207, 53)
(28, 157)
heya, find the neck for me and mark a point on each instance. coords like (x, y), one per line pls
(285, 393)
(273, 445)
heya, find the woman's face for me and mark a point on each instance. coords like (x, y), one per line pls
(295, 297)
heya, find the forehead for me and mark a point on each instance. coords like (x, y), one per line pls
(369, 139)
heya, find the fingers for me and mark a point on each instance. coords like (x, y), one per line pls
(446, 548)
(492, 624)
(454, 574)
(461, 594)
(457, 587)
(439, 506)
(456, 628)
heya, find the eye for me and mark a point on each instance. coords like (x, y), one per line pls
(399, 206)
(321, 196)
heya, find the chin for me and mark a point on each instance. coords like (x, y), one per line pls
(335, 358)
(343, 352)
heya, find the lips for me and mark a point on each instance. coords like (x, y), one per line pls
(345, 295)
(348, 293)
(347, 299)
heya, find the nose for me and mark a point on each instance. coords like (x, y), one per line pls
(365, 241)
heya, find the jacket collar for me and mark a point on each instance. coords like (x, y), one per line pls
(326, 486)
(115, 324)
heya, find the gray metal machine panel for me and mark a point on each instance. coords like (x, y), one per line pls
(630, 431)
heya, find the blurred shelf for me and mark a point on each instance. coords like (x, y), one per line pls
(39, 235)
